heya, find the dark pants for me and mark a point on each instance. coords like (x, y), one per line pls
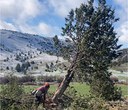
(39, 99)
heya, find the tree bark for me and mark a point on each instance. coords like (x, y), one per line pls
(65, 83)
(63, 86)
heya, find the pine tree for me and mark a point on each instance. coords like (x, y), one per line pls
(57, 46)
(18, 68)
(91, 30)
(99, 46)
(7, 68)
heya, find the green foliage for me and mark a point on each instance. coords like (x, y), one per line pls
(63, 50)
(57, 45)
(56, 41)
(26, 78)
(73, 101)
(18, 68)
(12, 89)
(10, 93)
(13, 97)
(89, 103)
(91, 30)
(51, 67)
(104, 87)
(68, 96)
(23, 67)
(49, 78)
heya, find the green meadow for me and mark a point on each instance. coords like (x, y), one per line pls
(81, 88)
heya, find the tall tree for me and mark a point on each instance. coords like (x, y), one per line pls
(57, 45)
(91, 30)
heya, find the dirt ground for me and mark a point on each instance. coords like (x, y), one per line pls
(119, 105)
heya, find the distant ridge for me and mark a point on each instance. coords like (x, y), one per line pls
(13, 41)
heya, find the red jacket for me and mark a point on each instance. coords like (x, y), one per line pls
(43, 89)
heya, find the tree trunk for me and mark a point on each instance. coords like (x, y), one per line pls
(65, 83)
(63, 86)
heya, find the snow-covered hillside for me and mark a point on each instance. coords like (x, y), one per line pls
(17, 48)
(12, 42)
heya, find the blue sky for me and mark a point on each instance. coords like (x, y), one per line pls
(46, 17)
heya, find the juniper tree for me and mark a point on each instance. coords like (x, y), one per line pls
(99, 47)
(91, 30)
(57, 46)
(18, 68)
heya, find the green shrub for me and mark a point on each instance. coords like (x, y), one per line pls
(10, 93)
(13, 97)
(26, 78)
(73, 101)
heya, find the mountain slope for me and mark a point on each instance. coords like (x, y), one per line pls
(12, 42)
(18, 48)
(123, 58)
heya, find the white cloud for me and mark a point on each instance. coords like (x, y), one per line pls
(20, 9)
(20, 12)
(41, 29)
(44, 28)
(123, 32)
(62, 7)
(122, 12)
(5, 25)
(8, 9)
(27, 29)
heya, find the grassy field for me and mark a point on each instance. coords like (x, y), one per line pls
(82, 89)
(124, 89)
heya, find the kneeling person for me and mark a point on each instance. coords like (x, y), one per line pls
(40, 93)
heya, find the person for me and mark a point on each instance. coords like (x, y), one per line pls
(40, 93)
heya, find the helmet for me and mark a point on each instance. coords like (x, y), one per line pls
(47, 84)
